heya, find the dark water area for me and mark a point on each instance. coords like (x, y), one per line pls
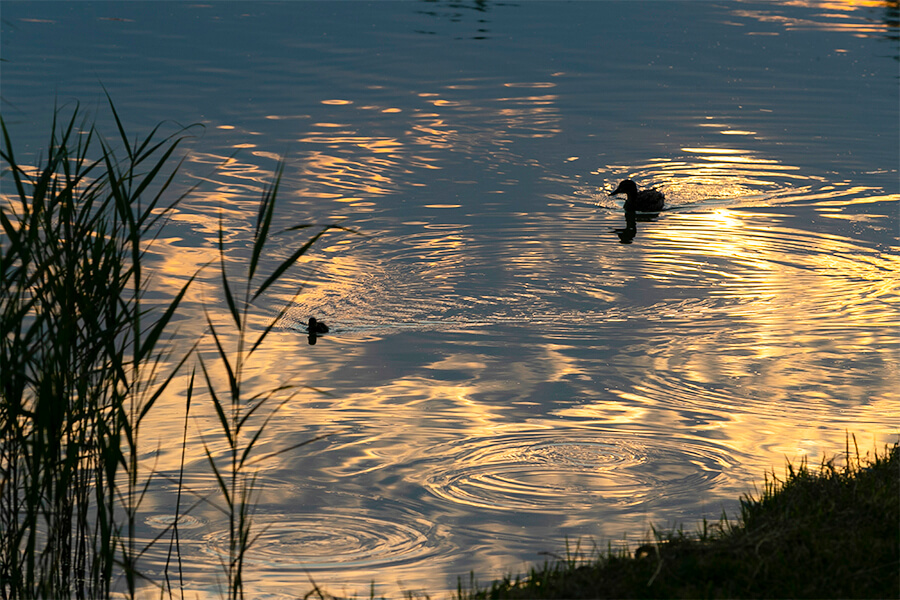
(503, 372)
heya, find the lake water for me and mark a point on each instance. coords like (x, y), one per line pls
(503, 373)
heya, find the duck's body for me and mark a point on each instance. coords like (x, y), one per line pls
(316, 326)
(643, 201)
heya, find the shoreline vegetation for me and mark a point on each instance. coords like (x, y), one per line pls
(831, 532)
(84, 360)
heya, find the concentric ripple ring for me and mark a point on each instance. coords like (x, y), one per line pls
(549, 470)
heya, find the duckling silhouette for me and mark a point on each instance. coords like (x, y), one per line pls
(316, 326)
(644, 200)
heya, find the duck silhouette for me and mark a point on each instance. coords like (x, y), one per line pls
(314, 329)
(316, 326)
(643, 201)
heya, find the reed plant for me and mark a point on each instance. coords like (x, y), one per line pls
(78, 357)
(235, 474)
(84, 359)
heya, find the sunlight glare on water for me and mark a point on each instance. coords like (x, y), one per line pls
(511, 363)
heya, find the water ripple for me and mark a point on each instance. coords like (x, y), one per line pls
(556, 470)
(337, 538)
(165, 521)
(742, 263)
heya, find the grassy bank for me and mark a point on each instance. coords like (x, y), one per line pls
(830, 532)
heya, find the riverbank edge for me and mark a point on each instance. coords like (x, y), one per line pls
(830, 532)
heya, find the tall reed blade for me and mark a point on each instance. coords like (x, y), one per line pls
(78, 362)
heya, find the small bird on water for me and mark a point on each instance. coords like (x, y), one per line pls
(644, 200)
(316, 326)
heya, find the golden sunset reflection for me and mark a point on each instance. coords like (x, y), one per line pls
(353, 167)
(844, 16)
(764, 259)
(512, 362)
(720, 174)
(766, 320)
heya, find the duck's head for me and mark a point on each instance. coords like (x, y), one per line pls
(316, 326)
(627, 187)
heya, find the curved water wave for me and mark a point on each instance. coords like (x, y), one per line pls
(164, 521)
(716, 175)
(573, 469)
(329, 530)
(202, 510)
(338, 536)
(782, 386)
(752, 255)
(563, 273)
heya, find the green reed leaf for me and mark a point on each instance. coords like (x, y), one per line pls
(288, 263)
(217, 404)
(150, 340)
(226, 288)
(264, 217)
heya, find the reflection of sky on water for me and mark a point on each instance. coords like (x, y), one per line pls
(503, 373)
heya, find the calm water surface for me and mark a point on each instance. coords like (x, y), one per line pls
(504, 373)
